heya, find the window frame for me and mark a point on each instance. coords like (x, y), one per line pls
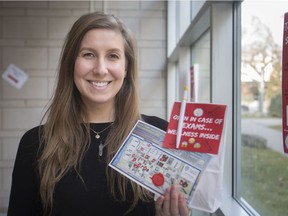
(223, 21)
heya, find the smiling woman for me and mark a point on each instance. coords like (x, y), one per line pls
(61, 166)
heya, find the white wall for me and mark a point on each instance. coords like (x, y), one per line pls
(31, 36)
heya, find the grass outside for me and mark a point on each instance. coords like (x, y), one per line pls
(276, 127)
(265, 180)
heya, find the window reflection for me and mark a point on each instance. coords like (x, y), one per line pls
(200, 53)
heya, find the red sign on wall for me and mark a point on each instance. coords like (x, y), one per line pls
(284, 84)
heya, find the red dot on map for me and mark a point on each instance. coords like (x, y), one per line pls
(158, 179)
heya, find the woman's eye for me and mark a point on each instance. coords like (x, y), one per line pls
(113, 56)
(89, 55)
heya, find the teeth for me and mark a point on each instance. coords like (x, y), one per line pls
(99, 84)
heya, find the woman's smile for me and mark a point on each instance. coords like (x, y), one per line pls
(99, 83)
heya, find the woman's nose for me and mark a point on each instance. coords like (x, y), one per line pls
(100, 67)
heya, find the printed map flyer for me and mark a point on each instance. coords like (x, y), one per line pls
(202, 127)
(142, 159)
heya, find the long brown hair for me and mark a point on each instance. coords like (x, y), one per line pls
(65, 136)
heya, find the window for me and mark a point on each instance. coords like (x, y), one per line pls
(191, 35)
(262, 171)
(202, 42)
(239, 55)
(200, 60)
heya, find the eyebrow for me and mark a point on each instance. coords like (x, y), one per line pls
(93, 50)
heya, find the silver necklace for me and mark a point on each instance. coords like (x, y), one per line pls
(97, 136)
(101, 146)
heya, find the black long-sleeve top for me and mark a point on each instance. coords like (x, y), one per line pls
(88, 196)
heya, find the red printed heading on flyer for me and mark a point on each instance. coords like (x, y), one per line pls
(202, 127)
(284, 84)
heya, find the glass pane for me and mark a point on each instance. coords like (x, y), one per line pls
(264, 166)
(200, 53)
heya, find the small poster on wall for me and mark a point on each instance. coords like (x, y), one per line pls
(15, 76)
(284, 84)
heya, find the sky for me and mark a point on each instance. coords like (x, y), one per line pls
(270, 12)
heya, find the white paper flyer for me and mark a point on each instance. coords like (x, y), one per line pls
(143, 159)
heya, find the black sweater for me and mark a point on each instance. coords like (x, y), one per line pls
(73, 196)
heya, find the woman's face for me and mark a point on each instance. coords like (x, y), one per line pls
(100, 67)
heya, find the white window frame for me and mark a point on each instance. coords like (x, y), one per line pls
(219, 18)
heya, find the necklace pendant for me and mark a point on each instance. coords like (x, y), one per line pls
(101, 146)
(97, 136)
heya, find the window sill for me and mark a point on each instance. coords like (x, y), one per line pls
(229, 207)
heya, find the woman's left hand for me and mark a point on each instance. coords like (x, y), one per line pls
(173, 203)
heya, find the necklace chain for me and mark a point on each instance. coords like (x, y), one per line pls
(97, 134)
